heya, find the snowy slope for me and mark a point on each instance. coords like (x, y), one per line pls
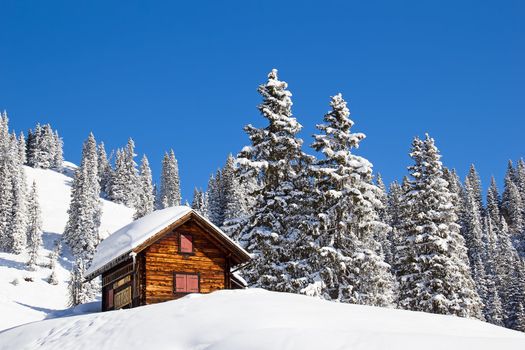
(257, 319)
(32, 301)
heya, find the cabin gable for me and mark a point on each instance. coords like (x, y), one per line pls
(165, 259)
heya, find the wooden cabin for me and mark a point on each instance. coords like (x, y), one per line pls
(164, 256)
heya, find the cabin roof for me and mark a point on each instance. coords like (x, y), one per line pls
(141, 233)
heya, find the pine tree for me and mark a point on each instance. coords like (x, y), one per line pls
(494, 313)
(145, 199)
(58, 158)
(384, 237)
(124, 182)
(81, 232)
(7, 169)
(169, 195)
(474, 182)
(520, 318)
(18, 213)
(105, 172)
(473, 234)
(513, 208)
(215, 195)
(118, 180)
(80, 292)
(348, 205)
(506, 262)
(131, 174)
(34, 227)
(22, 148)
(236, 211)
(431, 267)
(493, 204)
(276, 158)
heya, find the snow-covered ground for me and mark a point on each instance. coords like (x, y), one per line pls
(257, 319)
(32, 301)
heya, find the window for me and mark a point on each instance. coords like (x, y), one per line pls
(186, 283)
(185, 243)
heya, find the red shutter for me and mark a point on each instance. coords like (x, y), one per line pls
(186, 243)
(193, 283)
(180, 283)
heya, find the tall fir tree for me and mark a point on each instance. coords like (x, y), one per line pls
(145, 200)
(170, 195)
(105, 172)
(384, 237)
(22, 148)
(81, 232)
(275, 157)
(80, 292)
(34, 226)
(236, 211)
(18, 214)
(215, 195)
(7, 169)
(432, 271)
(473, 235)
(350, 230)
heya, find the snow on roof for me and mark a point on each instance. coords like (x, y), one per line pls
(127, 238)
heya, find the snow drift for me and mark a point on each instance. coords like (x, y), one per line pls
(257, 319)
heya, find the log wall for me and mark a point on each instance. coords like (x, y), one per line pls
(162, 259)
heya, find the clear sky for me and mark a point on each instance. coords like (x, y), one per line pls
(183, 75)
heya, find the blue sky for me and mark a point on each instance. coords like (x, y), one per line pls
(183, 75)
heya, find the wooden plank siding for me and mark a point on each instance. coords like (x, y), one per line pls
(162, 259)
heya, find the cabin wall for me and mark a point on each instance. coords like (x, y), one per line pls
(162, 259)
(119, 281)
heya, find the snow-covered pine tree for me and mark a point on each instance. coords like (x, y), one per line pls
(105, 172)
(432, 270)
(34, 226)
(236, 213)
(513, 208)
(124, 180)
(520, 178)
(493, 204)
(117, 191)
(275, 157)
(33, 147)
(80, 292)
(7, 171)
(215, 195)
(348, 246)
(455, 187)
(196, 203)
(474, 182)
(22, 148)
(384, 237)
(170, 195)
(145, 202)
(81, 232)
(473, 234)
(506, 261)
(132, 176)
(394, 202)
(58, 157)
(53, 260)
(494, 308)
(17, 231)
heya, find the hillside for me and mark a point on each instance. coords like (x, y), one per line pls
(257, 319)
(33, 301)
